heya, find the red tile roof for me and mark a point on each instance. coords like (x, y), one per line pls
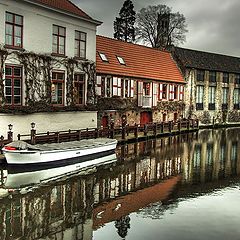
(64, 5)
(141, 62)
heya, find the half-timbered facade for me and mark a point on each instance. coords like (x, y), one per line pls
(136, 82)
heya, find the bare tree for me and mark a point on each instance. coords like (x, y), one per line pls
(159, 27)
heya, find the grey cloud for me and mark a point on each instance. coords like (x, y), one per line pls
(213, 24)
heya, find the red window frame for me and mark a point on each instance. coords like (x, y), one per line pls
(80, 41)
(58, 34)
(79, 88)
(14, 25)
(10, 83)
(56, 81)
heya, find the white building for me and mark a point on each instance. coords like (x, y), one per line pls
(47, 58)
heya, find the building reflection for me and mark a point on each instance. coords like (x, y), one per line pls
(145, 173)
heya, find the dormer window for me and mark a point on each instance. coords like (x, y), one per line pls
(121, 60)
(103, 57)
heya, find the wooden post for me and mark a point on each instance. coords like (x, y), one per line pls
(33, 136)
(18, 136)
(112, 130)
(96, 133)
(79, 134)
(179, 125)
(87, 133)
(123, 132)
(170, 126)
(145, 129)
(57, 137)
(197, 121)
(155, 129)
(188, 124)
(10, 135)
(136, 131)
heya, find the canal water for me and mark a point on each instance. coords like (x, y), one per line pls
(181, 187)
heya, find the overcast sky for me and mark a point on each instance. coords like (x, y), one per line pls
(213, 25)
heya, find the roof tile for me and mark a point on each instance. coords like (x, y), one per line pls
(65, 5)
(141, 62)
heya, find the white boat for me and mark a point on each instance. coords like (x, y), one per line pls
(22, 176)
(22, 153)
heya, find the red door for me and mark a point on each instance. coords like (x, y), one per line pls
(146, 117)
(105, 121)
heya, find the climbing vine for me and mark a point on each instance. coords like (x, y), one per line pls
(38, 76)
(3, 56)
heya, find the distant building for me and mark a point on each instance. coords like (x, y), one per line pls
(212, 92)
(137, 84)
(47, 58)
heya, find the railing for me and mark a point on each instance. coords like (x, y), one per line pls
(121, 133)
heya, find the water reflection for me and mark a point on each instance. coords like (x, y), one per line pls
(148, 175)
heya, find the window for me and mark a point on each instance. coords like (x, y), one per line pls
(224, 98)
(59, 40)
(225, 78)
(103, 57)
(80, 44)
(79, 88)
(199, 98)
(14, 30)
(121, 60)
(109, 87)
(57, 88)
(175, 92)
(13, 85)
(200, 75)
(212, 76)
(237, 78)
(211, 98)
(146, 89)
(164, 91)
(125, 88)
(236, 98)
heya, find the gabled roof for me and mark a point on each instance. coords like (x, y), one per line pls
(141, 62)
(65, 6)
(189, 58)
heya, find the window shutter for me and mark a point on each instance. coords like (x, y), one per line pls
(132, 88)
(171, 95)
(119, 87)
(181, 92)
(155, 85)
(115, 86)
(140, 93)
(98, 86)
(160, 91)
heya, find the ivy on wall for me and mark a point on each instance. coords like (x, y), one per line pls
(37, 70)
(3, 56)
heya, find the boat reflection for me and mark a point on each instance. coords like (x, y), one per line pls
(19, 177)
(73, 207)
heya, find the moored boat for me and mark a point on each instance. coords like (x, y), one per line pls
(22, 176)
(20, 152)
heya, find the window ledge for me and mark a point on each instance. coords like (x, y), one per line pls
(14, 48)
(58, 55)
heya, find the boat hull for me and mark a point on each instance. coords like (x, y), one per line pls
(60, 156)
(19, 176)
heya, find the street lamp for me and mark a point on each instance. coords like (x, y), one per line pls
(10, 134)
(10, 127)
(33, 124)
